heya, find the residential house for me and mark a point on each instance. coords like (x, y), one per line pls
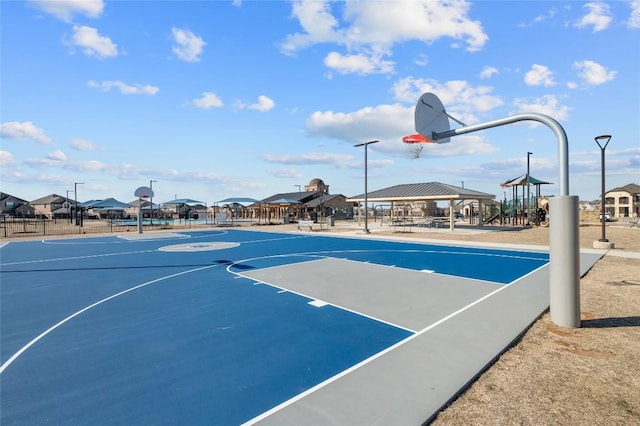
(623, 201)
(14, 206)
(52, 206)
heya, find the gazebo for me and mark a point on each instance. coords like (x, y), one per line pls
(431, 191)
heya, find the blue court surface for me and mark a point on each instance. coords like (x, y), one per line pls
(234, 326)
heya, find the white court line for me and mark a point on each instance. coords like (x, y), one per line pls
(316, 259)
(78, 257)
(368, 360)
(81, 311)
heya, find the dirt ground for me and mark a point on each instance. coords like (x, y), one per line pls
(554, 375)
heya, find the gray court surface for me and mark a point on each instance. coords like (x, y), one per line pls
(460, 327)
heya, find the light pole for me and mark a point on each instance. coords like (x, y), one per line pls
(75, 204)
(299, 197)
(528, 197)
(151, 200)
(68, 204)
(366, 201)
(602, 142)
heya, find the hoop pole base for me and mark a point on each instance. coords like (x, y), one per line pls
(564, 261)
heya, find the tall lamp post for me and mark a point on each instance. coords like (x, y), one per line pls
(366, 201)
(68, 204)
(299, 197)
(602, 142)
(528, 191)
(75, 204)
(151, 200)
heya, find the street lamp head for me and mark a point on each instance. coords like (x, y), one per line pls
(365, 143)
(602, 140)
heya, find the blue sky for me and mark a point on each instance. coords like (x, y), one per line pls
(217, 99)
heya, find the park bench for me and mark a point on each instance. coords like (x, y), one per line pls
(309, 224)
(305, 224)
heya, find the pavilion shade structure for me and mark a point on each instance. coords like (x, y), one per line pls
(431, 191)
(184, 201)
(108, 204)
(522, 181)
(243, 201)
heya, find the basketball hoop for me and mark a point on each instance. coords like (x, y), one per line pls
(414, 144)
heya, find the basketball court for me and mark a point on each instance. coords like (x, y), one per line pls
(251, 327)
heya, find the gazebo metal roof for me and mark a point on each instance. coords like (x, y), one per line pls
(183, 201)
(239, 200)
(431, 191)
(522, 181)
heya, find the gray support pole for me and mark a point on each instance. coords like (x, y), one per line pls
(565, 288)
(139, 215)
(451, 217)
(564, 251)
(366, 200)
(602, 197)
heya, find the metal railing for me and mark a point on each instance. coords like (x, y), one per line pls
(40, 227)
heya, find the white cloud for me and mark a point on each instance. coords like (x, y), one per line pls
(550, 14)
(460, 99)
(92, 43)
(287, 173)
(634, 17)
(264, 104)
(599, 17)
(325, 158)
(357, 64)
(372, 28)
(187, 46)
(547, 104)
(23, 131)
(539, 75)
(422, 60)
(208, 100)
(125, 89)
(7, 159)
(593, 73)
(66, 9)
(57, 156)
(488, 72)
(388, 124)
(84, 145)
(380, 122)
(87, 166)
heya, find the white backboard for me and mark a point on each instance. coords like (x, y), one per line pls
(431, 117)
(144, 192)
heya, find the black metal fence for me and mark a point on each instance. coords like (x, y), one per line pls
(37, 227)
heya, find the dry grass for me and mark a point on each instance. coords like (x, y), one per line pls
(555, 375)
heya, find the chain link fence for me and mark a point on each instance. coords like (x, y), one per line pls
(39, 227)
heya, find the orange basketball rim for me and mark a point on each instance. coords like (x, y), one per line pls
(414, 144)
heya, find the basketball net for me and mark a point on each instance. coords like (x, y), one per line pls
(415, 144)
(414, 150)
